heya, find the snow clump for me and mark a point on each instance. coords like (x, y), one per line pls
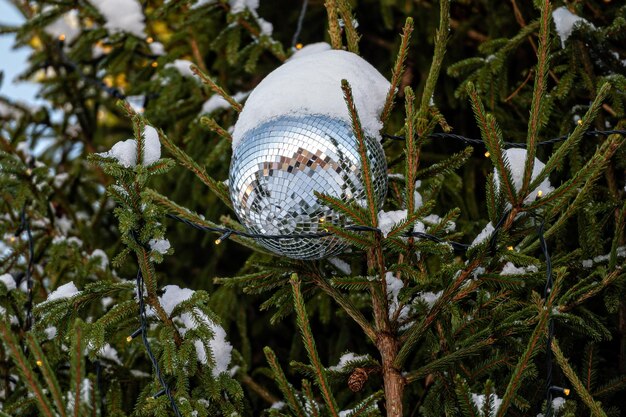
(565, 22)
(183, 66)
(479, 402)
(483, 235)
(126, 151)
(394, 285)
(221, 349)
(159, 245)
(8, 281)
(510, 269)
(122, 16)
(345, 358)
(64, 291)
(517, 161)
(310, 84)
(217, 102)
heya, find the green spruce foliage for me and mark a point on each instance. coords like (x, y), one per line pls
(475, 318)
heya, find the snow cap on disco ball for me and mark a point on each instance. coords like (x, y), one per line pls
(294, 138)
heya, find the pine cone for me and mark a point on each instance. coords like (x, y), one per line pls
(357, 379)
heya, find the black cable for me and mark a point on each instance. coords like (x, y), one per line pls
(226, 232)
(507, 145)
(296, 35)
(547, 291)
(144, 336)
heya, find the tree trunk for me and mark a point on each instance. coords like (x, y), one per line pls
(393, 380)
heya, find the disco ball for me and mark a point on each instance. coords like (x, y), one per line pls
(278, 166)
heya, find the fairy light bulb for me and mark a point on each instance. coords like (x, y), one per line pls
(225, 236)
(62, 37)
(487, 154)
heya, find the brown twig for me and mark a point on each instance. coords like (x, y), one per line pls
(518, 89)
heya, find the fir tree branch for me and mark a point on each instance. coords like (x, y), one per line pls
(539, 90)
(398, 70)
(206, 80)
(492, 137)
(147, 270)
(77, 367)
(309, 343)
(607, 280)
(285, 387)
(334, 31)
(44, 406)
(558, 156)
(589, 172)
(594, 406)
(185, 160)
(365, 163)
(411, 151)
(195, 219)
(312, 404)
(620, 224)
(260, 390)
(447, 361)
(343, 206)
(364, 408)
(605, 151)
(464, 398)
(47, 373)
(441, 40)
(215, 127)
(519, 373)
(352, 36)
(415, 332)
(347, 306)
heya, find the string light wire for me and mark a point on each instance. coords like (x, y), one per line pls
(144, 336)
(547, 293)
(508, 145)
(226, 232)
(296, 35)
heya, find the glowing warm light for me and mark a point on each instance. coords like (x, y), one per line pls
(61, 37)
(539, 193)
(580, 122)
(39, 363)
(12, 239)
(299, 46)
(487, 154)
(129, 339)
(154, 64)
(509, 248)
(566, 391)
(218, 241)
(149, 39)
